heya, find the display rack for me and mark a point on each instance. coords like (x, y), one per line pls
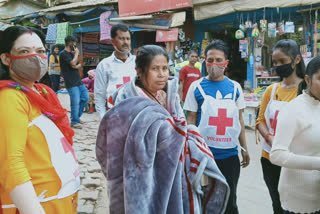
(266, 81)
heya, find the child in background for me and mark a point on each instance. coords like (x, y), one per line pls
(89, 83)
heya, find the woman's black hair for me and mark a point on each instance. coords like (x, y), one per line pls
(312, 68)
(54, 53)
(8, 38)
(145, 55)
(291, 49)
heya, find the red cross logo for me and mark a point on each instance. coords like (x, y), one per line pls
(67, 147)
(125, 80)
(222, 121)
(273, 122)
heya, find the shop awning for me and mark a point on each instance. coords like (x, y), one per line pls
(16, 8)
(155, 21)
(206, 11)
(72, 8)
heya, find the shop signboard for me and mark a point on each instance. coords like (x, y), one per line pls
(139, 7)
(167, 35)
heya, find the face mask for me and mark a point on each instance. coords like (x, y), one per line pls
(284, 70)
(126, 52)
(31, 67)
(216, 70)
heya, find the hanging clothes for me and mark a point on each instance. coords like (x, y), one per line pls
(105, 27)
(63, 30)
(51, 36)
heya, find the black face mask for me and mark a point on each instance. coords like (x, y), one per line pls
(284, 70)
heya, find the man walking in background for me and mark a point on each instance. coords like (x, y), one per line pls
(77, 91)
(116, 70)
(188, 74)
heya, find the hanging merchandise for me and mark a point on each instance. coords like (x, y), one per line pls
(248, 23)
(281, 25)
(281, 28)
(239, 34)
(263, 25)
(204, 44)
(244, 48)
(182, 35)
(263, 22)
(289, 26)
(255, 32)
(242, 25)
(272, 29)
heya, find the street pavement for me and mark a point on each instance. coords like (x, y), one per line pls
(253, 196)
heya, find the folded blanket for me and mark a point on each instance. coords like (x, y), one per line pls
(154, 163)
(51, 34)
(90, 38)
(90, 47)
(106, 48)
(90, 55)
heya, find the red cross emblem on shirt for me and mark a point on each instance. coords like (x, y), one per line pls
(125, 80)
(68, 148)
(222, 121)
(273, 122)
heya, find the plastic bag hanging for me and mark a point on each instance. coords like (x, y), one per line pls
(248, 23)
(240, 32)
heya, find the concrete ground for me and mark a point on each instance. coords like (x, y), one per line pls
(253, 196)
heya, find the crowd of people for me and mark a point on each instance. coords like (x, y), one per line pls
(165, 145)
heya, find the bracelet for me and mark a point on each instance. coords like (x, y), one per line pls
(267, 135)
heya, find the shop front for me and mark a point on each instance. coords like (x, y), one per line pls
(250, 32)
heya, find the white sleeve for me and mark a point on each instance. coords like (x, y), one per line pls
(26, 200)
(191, 103)
(100, 89)
(288, 127)
(240, 101)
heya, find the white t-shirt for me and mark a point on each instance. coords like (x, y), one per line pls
(111, 73)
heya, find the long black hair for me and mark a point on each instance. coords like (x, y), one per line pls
(145, 55)
(9, 36)
(54, 53)
(312, 68)
(291, 49)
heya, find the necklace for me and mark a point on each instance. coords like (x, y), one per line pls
(152, 95)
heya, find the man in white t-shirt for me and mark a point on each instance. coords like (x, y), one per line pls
(116, 70)
(215, 104)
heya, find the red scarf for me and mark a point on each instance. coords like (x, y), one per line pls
(48, 103)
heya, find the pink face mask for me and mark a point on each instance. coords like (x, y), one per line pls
(31, 67)
(215, 70)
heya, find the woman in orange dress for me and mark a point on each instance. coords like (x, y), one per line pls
(38, 171)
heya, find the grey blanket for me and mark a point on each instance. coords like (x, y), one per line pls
(153, 162)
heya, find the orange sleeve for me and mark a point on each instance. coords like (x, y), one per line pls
(14, 108)
(264, 103)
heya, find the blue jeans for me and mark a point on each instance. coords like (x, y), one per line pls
(55, 82)
(79, 100)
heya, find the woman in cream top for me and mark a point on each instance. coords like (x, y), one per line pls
(296, 147)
